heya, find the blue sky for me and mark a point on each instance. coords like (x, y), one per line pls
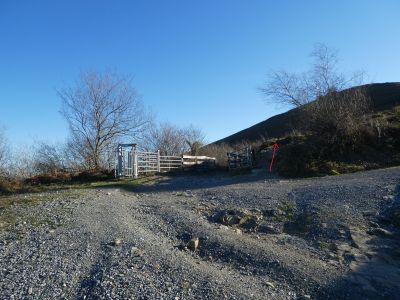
(193, 62)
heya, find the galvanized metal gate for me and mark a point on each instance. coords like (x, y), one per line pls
(132, 163)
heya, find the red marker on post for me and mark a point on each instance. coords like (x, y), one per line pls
(274, 146)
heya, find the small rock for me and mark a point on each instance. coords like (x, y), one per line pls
(238, 231)
(193, 244)
(30, 291)
(117, 242)
(381, 231)
(267, 228)
(270, 284)
(373, 224)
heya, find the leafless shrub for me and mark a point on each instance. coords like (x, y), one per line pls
(167, 138)
(48, 159)
(194, 138)
(22, 163)
(339, 119)
(173, 140)
(4, 153)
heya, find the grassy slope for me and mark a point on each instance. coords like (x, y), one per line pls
(383, 96)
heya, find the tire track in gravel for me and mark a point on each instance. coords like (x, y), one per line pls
(114, 217)
(286, 265)
(78, 259)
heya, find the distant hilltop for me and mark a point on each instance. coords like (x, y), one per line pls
(383, 96)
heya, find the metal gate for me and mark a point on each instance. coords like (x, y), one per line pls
(240, 159)
(124, 162)
(132, 163)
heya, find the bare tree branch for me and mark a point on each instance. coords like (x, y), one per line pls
(295, 89)
(100, 109)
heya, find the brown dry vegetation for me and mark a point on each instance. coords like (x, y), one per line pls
(372, 142)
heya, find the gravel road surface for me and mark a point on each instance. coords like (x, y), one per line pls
(208, 237)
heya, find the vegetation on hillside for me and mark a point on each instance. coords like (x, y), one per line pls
(336, 125)
(372, 142)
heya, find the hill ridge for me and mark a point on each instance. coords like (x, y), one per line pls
(383, 96)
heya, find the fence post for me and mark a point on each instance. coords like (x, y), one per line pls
(158, 161)
(135, 164)
(116, 163)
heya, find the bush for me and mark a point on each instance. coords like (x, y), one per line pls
(9, 185)
(296, 160)
(338, 120)
(219, 151)
(396, 111)
(48, 178)
(5, 186)
(93, 175)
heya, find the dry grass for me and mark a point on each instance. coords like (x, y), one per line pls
(219, 151)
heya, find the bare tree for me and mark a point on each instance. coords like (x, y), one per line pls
(22, 163)
(4, 152)
(173, 140)
(195, 139)
(101, 109)
(295, 89)
(167, 138)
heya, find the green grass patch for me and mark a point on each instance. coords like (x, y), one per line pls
(7, 218)
(328, 246)
(37, 222)
(286, 213)
(72, 190)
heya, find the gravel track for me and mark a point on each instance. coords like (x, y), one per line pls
(131, 243)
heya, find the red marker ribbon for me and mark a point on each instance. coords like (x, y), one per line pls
(274, 146)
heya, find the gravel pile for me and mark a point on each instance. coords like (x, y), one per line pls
(208, 237)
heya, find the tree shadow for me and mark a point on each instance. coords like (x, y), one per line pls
(192, 181)
(90, 287)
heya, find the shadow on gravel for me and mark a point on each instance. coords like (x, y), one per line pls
(90, 287)
(377, 276)
(196, 181)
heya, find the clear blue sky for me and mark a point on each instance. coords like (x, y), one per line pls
(197, 62)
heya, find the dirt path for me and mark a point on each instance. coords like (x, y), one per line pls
(132, 244)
